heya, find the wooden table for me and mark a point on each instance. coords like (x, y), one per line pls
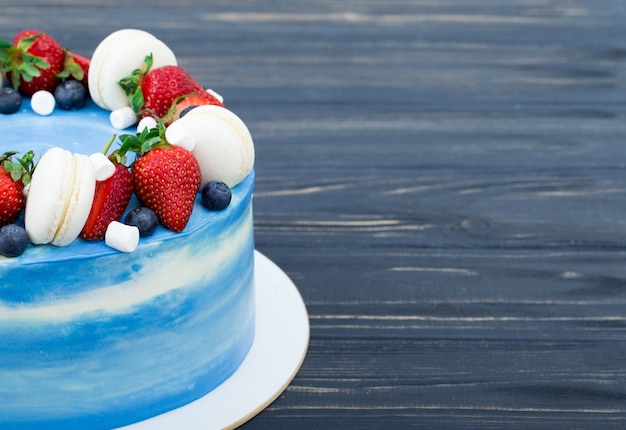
(443, 181)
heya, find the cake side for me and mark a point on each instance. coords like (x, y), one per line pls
(100, 332)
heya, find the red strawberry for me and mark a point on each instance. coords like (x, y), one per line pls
(32, 61)
(166, 178)
(109, 202)
(13, 177)
(110, 198)
(158, 91)
(75, 66)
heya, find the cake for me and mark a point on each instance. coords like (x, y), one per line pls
(96, 338)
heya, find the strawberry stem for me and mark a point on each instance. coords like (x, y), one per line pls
(108, 145)
(119, 155)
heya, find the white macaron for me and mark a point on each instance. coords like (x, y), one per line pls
(223, 144)
(59, 198)
(116, 57)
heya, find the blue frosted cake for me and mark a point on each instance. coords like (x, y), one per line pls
(97, 338)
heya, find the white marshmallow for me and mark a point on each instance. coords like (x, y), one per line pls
(146, 122)
(42, 102)
(122, 237)
(177, 135)
(123, 118)
(103, 167)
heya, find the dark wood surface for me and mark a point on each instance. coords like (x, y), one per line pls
(443, 180)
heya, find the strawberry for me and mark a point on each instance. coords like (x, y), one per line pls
(158, 91)
(109, 203)
(166, 178)
(184, 102)
(167, 181)
(14, 176)
(111, 197)
(75, 66)
(32, 61)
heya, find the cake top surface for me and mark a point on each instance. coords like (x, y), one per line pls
(82, 131)
(191, 153)
(86, 131)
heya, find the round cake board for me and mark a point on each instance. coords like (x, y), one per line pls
(279, 347)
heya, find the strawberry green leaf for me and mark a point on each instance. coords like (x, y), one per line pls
(146, 140)
(39, 62)
(132, 85)
(27, 42)
(71, 68)
(7, 155)
(15, 78)
(148, 61)
(21, 169)
(18, 63)
(28, 72)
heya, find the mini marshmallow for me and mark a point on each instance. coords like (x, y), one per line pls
(123, 118)
(146, 122)
(178, 135)
(122, 237)
(215, 94)
(43, 102)
(103, 167)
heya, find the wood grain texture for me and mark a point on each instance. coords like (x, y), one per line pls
(443, 181)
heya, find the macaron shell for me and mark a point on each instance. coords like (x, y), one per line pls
(47, 195)
(123, 63)
(79, 201)
(116, 57)
(224, 147)
(102, 54)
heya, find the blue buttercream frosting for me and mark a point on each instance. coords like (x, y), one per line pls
(94, 338)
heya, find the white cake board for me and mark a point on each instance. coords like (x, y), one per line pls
(279, 348)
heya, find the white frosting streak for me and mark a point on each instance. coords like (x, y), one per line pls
(149, 283)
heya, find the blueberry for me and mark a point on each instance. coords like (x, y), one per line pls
(216, 195)
(144, 219)
(70, 94)
(186, 110)
(10, 100)
(13, 240)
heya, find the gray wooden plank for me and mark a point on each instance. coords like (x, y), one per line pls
(444, 183)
